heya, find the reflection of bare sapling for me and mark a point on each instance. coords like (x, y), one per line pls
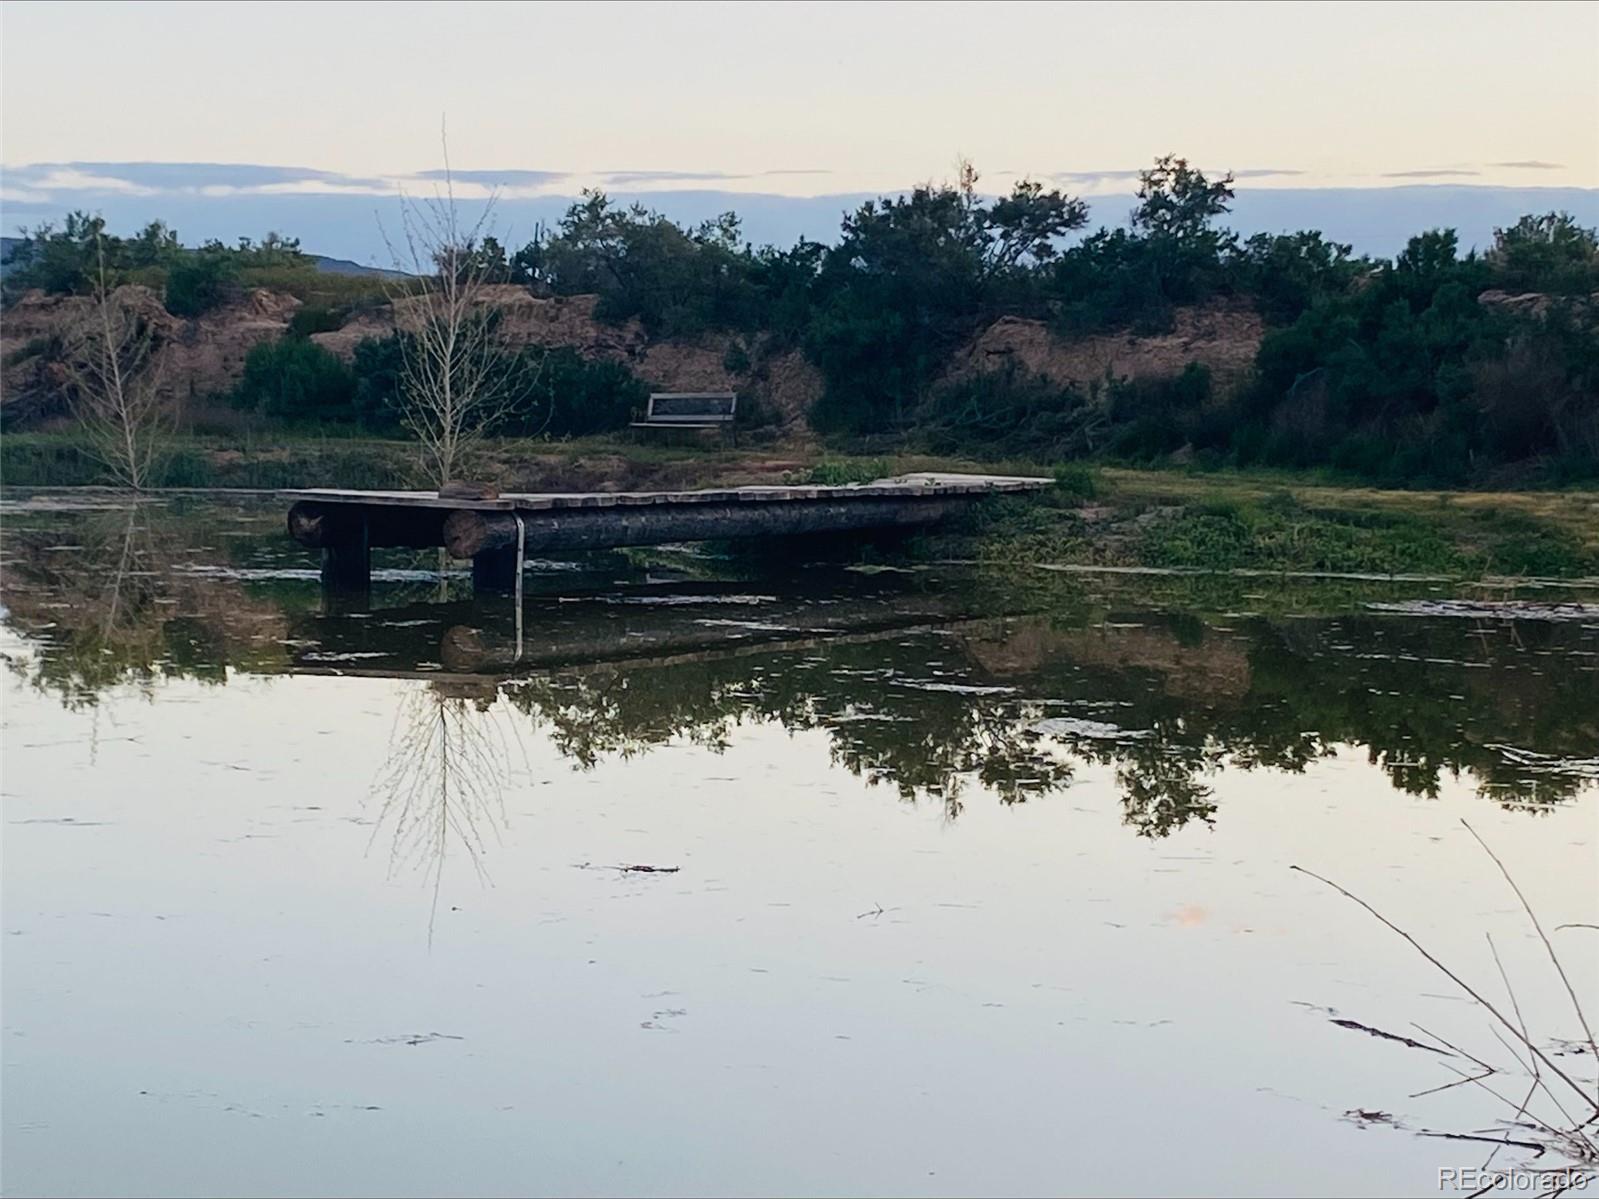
(100, 601)
(1559, 1109)
(109, 601)
(136, 571)
(111, 358)
(444, 779)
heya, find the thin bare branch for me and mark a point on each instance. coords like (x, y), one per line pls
(1452, 976)
(1582, 1019)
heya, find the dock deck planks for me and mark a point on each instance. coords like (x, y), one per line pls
(924, 484)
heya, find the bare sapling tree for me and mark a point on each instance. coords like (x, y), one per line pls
(113, 362)
(455, 378)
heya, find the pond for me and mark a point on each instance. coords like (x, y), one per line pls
(721, 874)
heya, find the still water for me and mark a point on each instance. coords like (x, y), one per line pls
(962, 882)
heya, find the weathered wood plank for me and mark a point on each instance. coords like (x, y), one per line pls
(470, 534)
(903, 485)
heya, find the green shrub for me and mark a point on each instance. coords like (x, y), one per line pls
(1153, 417)
(377, 366)
(316, 318)
(197, 283)
(558, 393)
(737, 359)
(185, 468)
(754, 413)
(1077, 480)
(319, 289)
(296, 380)
(45, 461)
(1008, 412)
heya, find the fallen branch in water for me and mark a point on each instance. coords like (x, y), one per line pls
(625, 868)
(1387, 1036)
(1573, 1141)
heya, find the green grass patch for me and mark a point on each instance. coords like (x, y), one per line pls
(1077, 480)
(840, 472)
(1278, 533)
(62, 460)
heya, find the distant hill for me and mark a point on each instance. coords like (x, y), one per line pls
(324, 264)
(343, 266)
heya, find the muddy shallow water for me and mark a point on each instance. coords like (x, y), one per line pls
(962, 883)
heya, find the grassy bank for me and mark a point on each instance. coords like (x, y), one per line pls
(1269, 521)
(248, 461)
(1220, 523)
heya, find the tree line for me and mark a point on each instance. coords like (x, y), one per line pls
(1434, 366)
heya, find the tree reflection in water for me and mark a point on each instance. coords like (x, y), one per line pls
(1014, 705)
(109, 599)
(443, 781)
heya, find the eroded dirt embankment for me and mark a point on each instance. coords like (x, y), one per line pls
(203, 357)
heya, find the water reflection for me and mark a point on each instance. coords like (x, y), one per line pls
(443, 781)
(112, 597)
(934, 683)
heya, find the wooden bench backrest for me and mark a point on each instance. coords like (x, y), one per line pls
(691, 407)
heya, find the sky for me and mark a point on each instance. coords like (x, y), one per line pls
(225, 101)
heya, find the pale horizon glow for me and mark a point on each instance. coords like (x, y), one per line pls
(794, 100)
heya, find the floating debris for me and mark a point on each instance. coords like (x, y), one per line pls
(1092, 730)
(1487, 609)
(415, 1038)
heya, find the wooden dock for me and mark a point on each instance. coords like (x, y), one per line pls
(496, 534)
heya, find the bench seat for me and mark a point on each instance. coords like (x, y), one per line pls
(689, 410)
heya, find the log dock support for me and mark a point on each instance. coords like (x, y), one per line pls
(497, 533)
(494, 571)
(347, 564)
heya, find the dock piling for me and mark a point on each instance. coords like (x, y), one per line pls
(494, 570)
(347, 564)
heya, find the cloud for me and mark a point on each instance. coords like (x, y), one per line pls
(1530, 164)
(78, 177)
(511, 177)
(1452, 173)
(623, 178)
(163, 176)
(157, 178)
(628, 178)
(19, 195)
(1125, 175)
(1096, 176)
(46, 181)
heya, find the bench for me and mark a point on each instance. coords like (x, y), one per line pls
(689, 410)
